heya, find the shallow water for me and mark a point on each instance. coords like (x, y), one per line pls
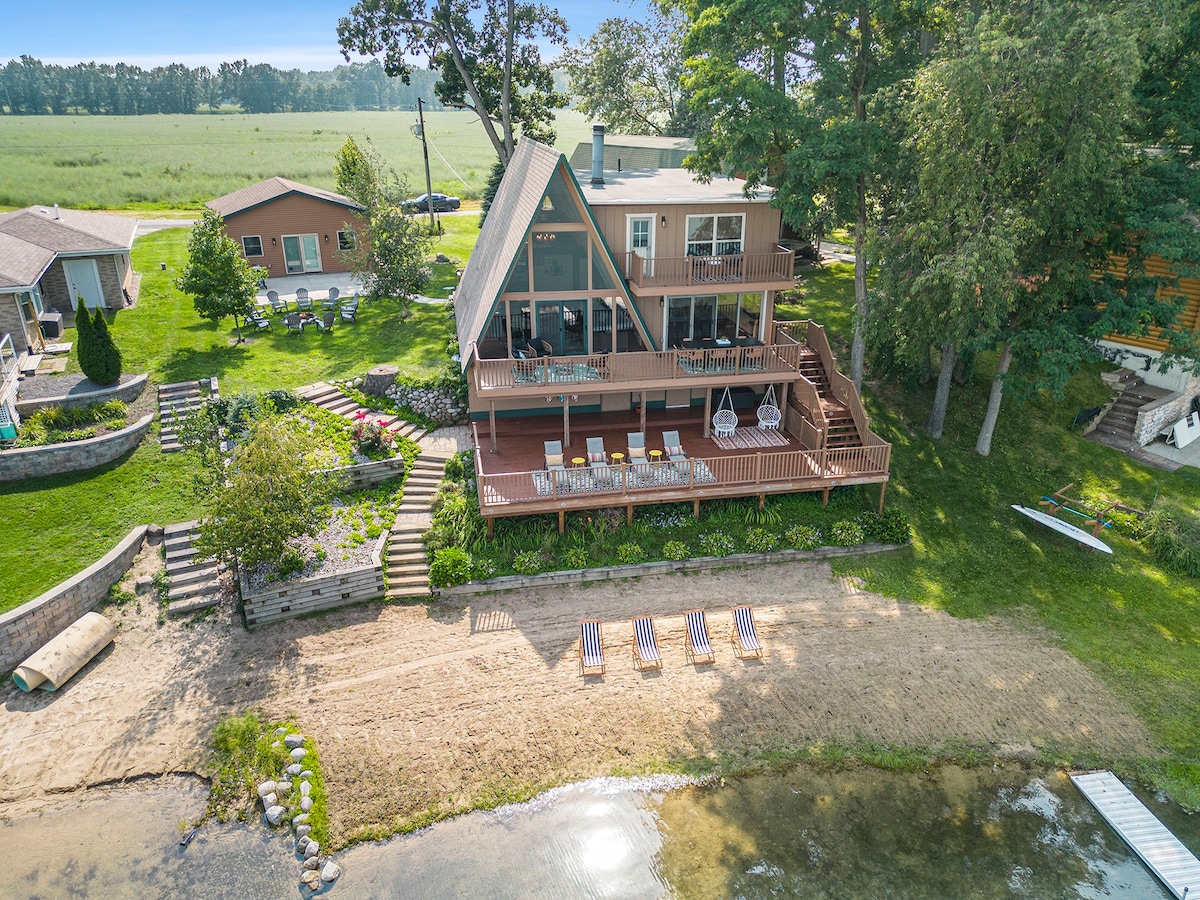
(806, 832)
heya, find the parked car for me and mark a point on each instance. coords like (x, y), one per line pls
(441, 203)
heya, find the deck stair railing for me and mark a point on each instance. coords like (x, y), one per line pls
(9, 369)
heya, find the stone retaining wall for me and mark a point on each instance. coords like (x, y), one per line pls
(286, 600)
(126, 392)
(74, 456)
(1154, 417)
(664, 567)
(369, 474)
(29, 626)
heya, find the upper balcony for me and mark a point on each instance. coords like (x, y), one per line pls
(743, 272)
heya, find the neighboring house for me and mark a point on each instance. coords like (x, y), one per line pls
(631, 303)
(1141, 353)
(51, 256)
(290, 228)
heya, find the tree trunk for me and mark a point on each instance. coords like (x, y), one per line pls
(379, 379)
(983, 446)
(861, 311)
(941, 397)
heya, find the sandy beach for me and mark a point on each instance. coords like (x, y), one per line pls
(449, 703)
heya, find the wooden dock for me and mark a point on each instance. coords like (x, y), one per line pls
(1172, 862)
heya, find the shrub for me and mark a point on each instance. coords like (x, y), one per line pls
(846, 534)
(528, 563)
(716, 543)
(450, 566)
(675, 550)
(889, 527)
(803, 537)
(759, 540)
(108, 357)
(483, 568)
(628, 554)
(456, 467)
(291, 562)
(1174, 540)
(372, 438)
(576, 558)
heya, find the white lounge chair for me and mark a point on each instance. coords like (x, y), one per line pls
(696, 643)
(645, 646)
(591, 648)
(745, 636)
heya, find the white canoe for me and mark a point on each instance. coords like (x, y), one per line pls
(1062, 527)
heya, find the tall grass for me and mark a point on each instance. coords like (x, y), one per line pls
(160, 162)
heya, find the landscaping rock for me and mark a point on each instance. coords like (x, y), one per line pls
(307, 773)
(300, 819)
(267, 787)
(299, 753)
(302, 843)
(292, 741)
(330, 872)
(280, 731)
(270, 800)
(312, 864)
(311, 880)
(275, 814)
(312, 849)
(306, 804)
(305, 789)
(283, 788)
(294, 769)
(303, 831)
(142, 584)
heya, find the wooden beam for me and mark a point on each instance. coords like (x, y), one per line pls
(629, 514)
(491, 527)
(492, 423)
(643, 422)
(562, 521)
(882, 491)
(825, 497)
(707, 408)
(566, 402)
(696, 508)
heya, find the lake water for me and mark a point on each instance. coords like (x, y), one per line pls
(806, 832)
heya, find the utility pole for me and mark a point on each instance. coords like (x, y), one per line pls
(425, 149)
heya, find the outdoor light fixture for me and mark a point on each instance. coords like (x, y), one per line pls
(663, 221)
(660, 302)
(327, 239)
(272, 242)
(544, 236)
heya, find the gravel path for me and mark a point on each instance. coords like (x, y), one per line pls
(39, 387)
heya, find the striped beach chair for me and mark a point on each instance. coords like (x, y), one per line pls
(645, 646)
(591, 649)
(745, 636)
(696, 643)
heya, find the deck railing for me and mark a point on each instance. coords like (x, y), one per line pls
(681, 271)
(731, 475)
(9, 372)
(619, 368)
(840, 386)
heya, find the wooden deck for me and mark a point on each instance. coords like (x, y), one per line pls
(513, 481)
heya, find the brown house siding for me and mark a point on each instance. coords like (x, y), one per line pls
(761, 236)
(293, 214)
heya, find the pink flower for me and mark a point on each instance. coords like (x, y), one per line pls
(361, 414)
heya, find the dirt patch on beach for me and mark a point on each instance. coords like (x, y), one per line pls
(416, 705)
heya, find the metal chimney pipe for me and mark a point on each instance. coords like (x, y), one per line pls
(55, 210)
(597, 154)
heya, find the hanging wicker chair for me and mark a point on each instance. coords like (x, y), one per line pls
(769, 415)
(725, 421)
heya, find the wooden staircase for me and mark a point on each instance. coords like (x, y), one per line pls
(407, 566)
(327, 396)
(193, 583)
(842, 430)
(174, 402)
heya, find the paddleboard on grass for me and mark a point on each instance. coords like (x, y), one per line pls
(1062, 527)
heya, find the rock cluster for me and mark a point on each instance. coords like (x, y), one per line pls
(318, 869)
(436, 403)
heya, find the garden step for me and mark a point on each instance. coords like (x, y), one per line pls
(406, 588)
(410, 558)
(191, 605)
(398, 569)
(200, 572)
(195, 589)
(180, 528)
(174, 554)
(343, 407)
(175, 539)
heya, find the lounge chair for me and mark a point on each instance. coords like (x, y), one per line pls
(696, 643)
(744, 636)
(591, 649)
(325, 323)
(596, 457)
(554, 456)
(260, 321)
(673, 447)
(293, 323)
(330, 302)
(350, 309)
(645, 647)
(303, 302)
(636, 441)
(277, 305)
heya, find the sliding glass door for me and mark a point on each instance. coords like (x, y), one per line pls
(301, 253)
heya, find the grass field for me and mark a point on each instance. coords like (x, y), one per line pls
(172, 162)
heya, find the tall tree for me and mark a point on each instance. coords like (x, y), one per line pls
(217, 276)
(356, 171)
(789, 87)
(627, 74)
(486, 50)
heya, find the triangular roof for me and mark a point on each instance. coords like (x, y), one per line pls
(31, 238)
(272, 189)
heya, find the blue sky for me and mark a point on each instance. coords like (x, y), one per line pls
(300, 34)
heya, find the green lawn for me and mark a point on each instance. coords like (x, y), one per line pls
(1134, 624)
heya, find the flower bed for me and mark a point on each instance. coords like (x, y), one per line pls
(62, 424)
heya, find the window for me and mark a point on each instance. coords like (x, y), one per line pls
(252, 245)
(714, 235)
(31, 306)
(347, 240)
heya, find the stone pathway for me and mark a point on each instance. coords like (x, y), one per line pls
(193, 584)
(177, 400)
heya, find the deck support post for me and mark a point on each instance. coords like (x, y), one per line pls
(629, 514)
(882, 491)
(492, 426)
(762, 501)
(696, 508)
(491, 527)
(825, 497)
(783, 398)
(643, 407)
(562, 521)
(566, 401)
(707, 408)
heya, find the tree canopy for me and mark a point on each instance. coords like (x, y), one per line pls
(217, 276)
(486, 51)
